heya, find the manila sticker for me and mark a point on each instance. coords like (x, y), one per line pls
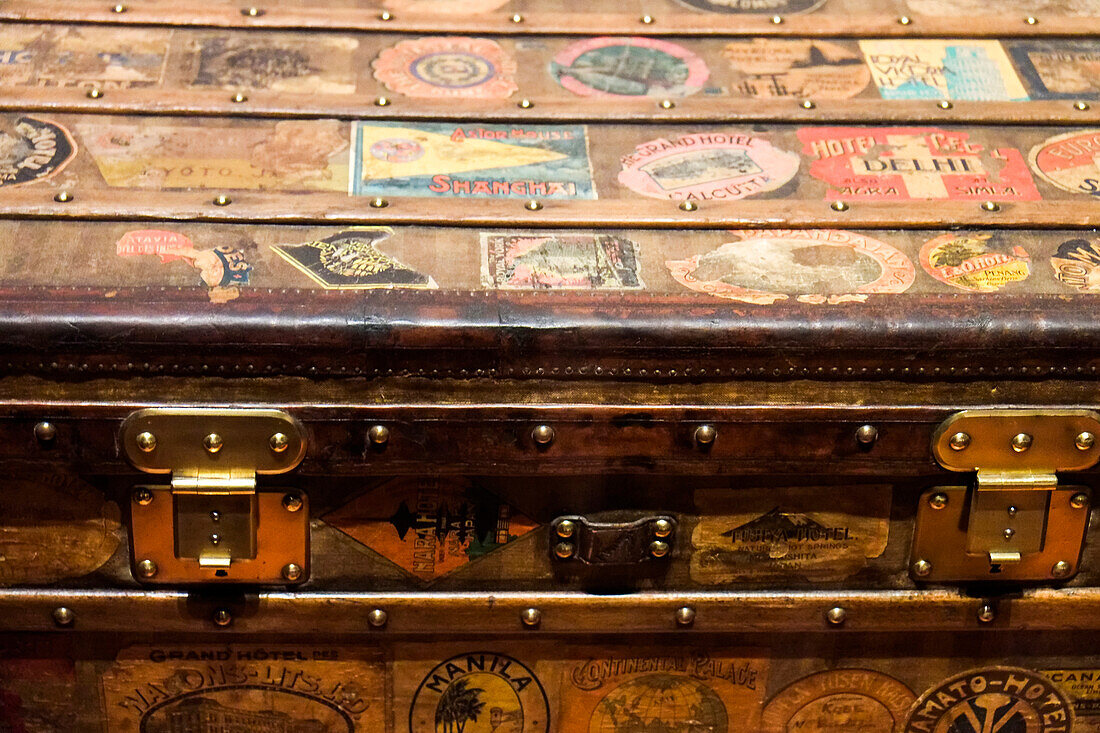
(779, 534)
(839, 700)
(707, 166)
(320, 64)
(430, 527)
(818, 266)
(222, 268)
(437, 159)
(22, 47)
(784, 67)
(980, 8)
(127, 58)
(275, 687)
(782, 7)
(992, 699)
(1083, 686)
(914, 164)
(447, 67)
(349, 260)
(32, 149)
(559, 261)
(629, 67)
(617, 690)
(1077, 264)
(1059, 70)
(929, 69)
(291, 155)
(1070, 161)
(979, 262)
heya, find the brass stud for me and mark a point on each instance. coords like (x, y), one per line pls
(525, 104)
(866, 434)
(808, 104)
(378, 618)
(1082, 106)
(63, 197)
(1021, 442)
(239, 98)
(1011, 511)
(146, 442)
(378, 435)
(385, 15)
(517, 18)
(292, 502)
(292, 571)
(382, 102)
(1009, 533)
(252, 12)
(689, 206)
(657, 548)
(531, 617)
(777, 19)
(543, 435)
(565, 529)
(147, 569)
(959, 441)
(986, 613)
(1061, 569)
(222, 200)
(945, 104)
(647, 19)
(1079, 501)
(839, 206)
(142, 497)
(904, 20)
(223, 617)
(94, 93)
(563, 550)
(1084, 440)
(45, 432)
(63, 616)
(533, 205)
(120, 8)
(213, 443)
(922, 568)
(662, 528)
(666, 104)
(379, 203)
(685, 616)
(990, 206)
(1031, 20)
(937, 501)
(705, 435)
(279, 442)
(836, 615)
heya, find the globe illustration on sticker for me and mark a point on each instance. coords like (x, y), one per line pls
(660, 702)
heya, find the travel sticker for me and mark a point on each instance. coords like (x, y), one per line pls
(661, 689)
(321, 64)
(931, 69)
(779, 534)
(559, 261)
(440, 159)
(222, 268)
(1083, 686)
(979, 262)
(1077, 264)
(914, 164)
(37, 694)
(238, 687)
(289, 155)
(629, 67)
(1062, 70)
(124, 59)
(21, 47)
(840, 700)
(1070, 161)
(782, 7)
(430, 527)
(32, 149)
(349, 260)
(818, 266)
(785, 67)
(980, 8)
(447, 67)
(707, 166)
(992, 699)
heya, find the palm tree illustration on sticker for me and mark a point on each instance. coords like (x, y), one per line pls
(459, 705)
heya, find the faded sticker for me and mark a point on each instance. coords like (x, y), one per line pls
(32, 149)
(223, 268)
(127, 58)
(444, 7)
(782, 67)
(640, 689)
(819, 266)
(21, 46)
(1070, 161)
(629, 67)
(1077, 264)
(253, 688)
(320, 64)
(350, 260)
(783, 7)
(931, 69)
(707, 166)
(291, 155)
(992, 699)
(430, 527)
(776, 534)
(1063, 70)
(980, 262)
(438, 159)
(840, 700)
(553, 261)
(981, 8)
(1083, 685)
(36, 695)
(447, 67)
(914, 163)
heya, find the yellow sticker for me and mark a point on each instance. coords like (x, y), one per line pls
(949, 69)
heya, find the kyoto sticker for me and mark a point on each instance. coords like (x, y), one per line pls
(447, 67)
(1059, 69)
(1077, 264)
(979, 262)
(914, 164)
(1083, 686)
(350, 260)
(223, 268)
(784, 67)
(782, 7)
(320, 65)
(1070, 161)
(839, 700)
(559, 261)
(32, 149)
(819, 266)
(629, 67)
(441, 160)
(930, 69)
(707, 166)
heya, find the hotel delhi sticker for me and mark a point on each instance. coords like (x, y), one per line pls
(317, 65)
(351, 260)
(1059, 70)
(1076, 264)
(778, 534)
(1070, 161)
(559, 261)
(817, 266)
(1083, 686)
(707, 166)
(787, 67)
(978, 262)
(629, 67)
(32, 149)
(981, 8)
(932, 69)
(839, 700)
(449, 160)
(245, 688)
(447, 67)
(914, 164)
(223, 268)
(770, 7)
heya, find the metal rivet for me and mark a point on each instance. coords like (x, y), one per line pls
(666, 104)
(866, 434)
(279, 442)
(922, 568)
(839, 206)
(517, 18)
(147, 569)
(378, 618)
(215, 516)
(1081, 106)
(705, 434)
(292, 571)
(777, 19)
(238, 98)
(647, 19)
(836, 615)
(1009, 533)
(63, 616)
(1030, 20)
(223, 617)
(662, 528)
(385, 15)
(94, 93)
(959, 441)
(904, 20)
(990, 206)
(565, 529)
(657, 548)
(688, 206)
(213, 443)
(146, 442)
(986, 613)
(1061, 569)
(379, 203)
(685, 616)
(945, 105)
(1012, 511)
(142, 497)
(45, 432)
(382, 102)
(1084, 440)
(533, 205)
(563, 550)
(525, 104)
(937, 501)
(808, 104)
(1079, 501)
(543, 434)
(292, 502)
(1021, 442)
(120, 8)
(63, 197)
(531, 617)
(222, 200)
(215, 538)
(378, 434)
(252, 12)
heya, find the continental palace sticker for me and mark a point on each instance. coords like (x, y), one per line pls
(447, 67)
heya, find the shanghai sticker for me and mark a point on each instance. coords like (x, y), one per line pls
(707, 166)
(663, 689)
(321, 65)
(430, 527)
(914, 164)
(223, 268)
(1083, 685)
(1059, 70)
(437, 159)
(787, 533)
(231, 687)
(929, 69)
(496, 692)
(839, 700)
(350, 260)
(447, 67)
(819, 266)
(1077, 265)
(1070, 161)
(125, 58)
(553, 261)
(783, 67)
(992, 699)
(32, 149)
(980, 8)
(629, 67)
(980, 262)
(783, 7)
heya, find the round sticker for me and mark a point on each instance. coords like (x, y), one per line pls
(842, 699)
(1077, 264)
(1069, 161)
(980, 262)
(475, 68)
(772, 67)
(769, 7)
(629, 67)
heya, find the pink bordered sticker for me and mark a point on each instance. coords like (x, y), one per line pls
(447, 67)
(629, 67)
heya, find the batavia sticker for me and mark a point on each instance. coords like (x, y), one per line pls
(552, 261)
(1070, 161)
(1077, 265)
(320, 65)
(930, 69)
(979, 262)
(784, 7)
(914, 164)
(629, 67)
(707, 166)
(32, 149)
(840, 700)
(349, 260)
(774, 67)
(1059, 70)
(223, 269)
(447, 67)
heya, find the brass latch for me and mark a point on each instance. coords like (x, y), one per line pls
(210, 523)
(1016, 522)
